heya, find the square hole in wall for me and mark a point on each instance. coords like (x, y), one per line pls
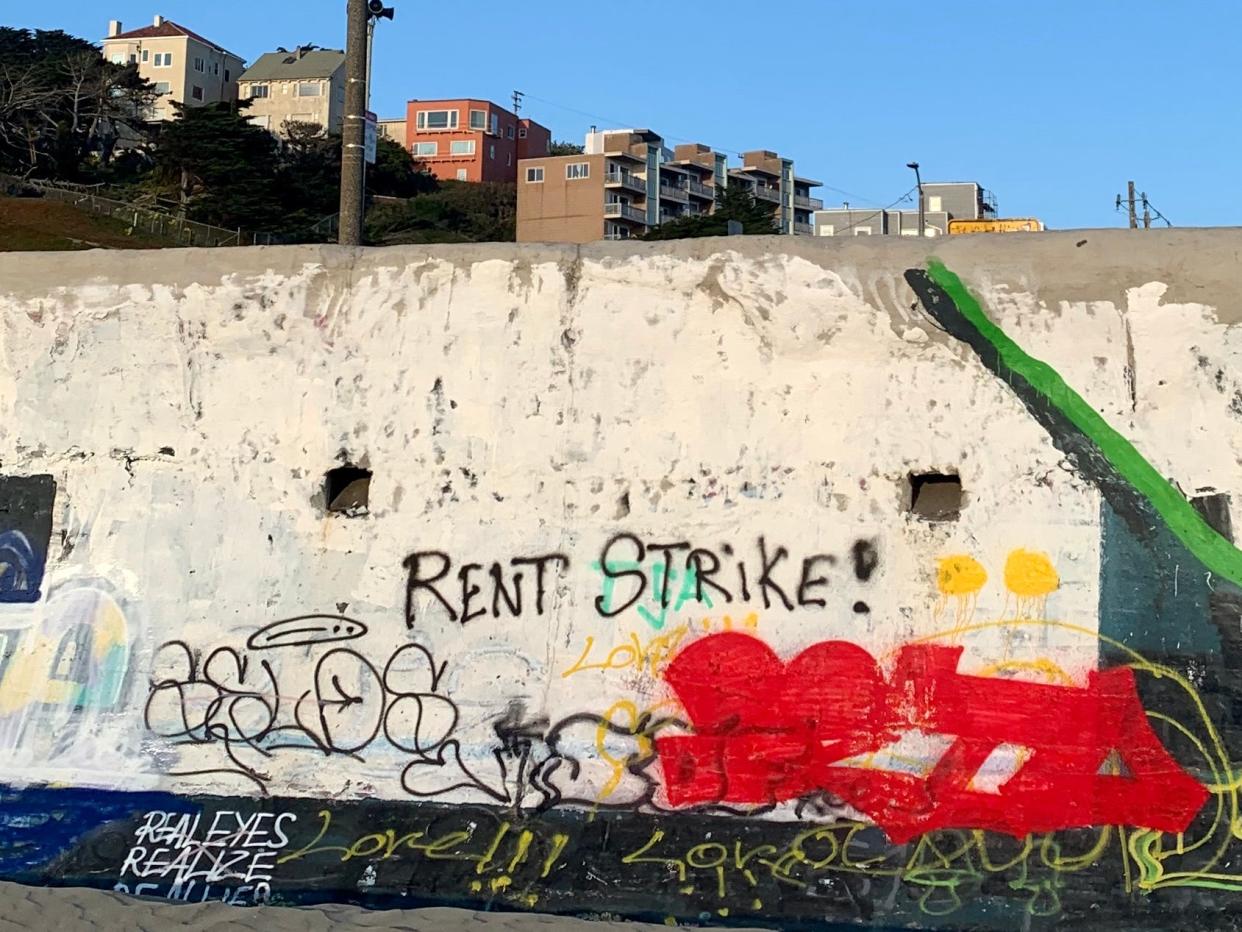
(935, 496)
(347, 490)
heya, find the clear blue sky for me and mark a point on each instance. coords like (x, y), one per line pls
(1052, 104)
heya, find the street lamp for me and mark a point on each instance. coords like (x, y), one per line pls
(919, 183)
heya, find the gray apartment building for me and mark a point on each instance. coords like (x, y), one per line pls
(942, 203)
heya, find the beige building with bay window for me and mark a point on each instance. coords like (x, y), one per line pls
(184, 67)
(306, 85)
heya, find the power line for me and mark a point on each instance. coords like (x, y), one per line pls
(1148, 205)
(731, 150)
(876, 213)
(1129, 200)
(851, 194)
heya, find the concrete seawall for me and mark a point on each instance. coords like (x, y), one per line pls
(751, 580)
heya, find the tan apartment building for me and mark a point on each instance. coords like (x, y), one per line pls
(184, 67)
(628, 182)
(306, 85)
(392, 128)
(624, 184)
(771, 179)
(603, 193)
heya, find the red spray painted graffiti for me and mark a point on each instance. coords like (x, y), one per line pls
(768, 731)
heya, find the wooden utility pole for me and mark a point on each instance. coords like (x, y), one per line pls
(1133, 215)
(353, 132)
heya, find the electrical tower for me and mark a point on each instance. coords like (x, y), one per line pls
(1131, 202)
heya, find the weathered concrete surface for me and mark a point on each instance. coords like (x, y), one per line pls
(75, 910)
(431, 733)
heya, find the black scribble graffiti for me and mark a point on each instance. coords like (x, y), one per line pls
(230, 701)
(353, 707)
(306, 629)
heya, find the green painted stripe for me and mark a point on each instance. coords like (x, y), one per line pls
(1214, 551)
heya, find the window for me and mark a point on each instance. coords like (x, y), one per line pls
(862, 231)
(575, 171)
(478, 119)
(119, 59)
(934, 203)
(534, 175)
(133, 59)
(196, 92)
(310, 90)
(200, 66)
(227, 77)
(462, 175)
(495, 124)
(163, 60)
(509, 132)
(522, 133)
(437, 119)
(491, 150)
(425, 148)
(162, 87)
(259, 91)
(461, 147)
(825, 229)
(146, 54)
(215, 68)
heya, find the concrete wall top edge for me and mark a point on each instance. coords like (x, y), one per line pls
(1198, 265)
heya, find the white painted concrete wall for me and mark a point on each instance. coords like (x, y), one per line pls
(520, 401)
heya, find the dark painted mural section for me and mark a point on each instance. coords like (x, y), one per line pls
(693, 867)
(25, 530)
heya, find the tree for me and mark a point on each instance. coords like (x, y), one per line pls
(221, 167)
(308, 179)
(395, 173)
(732, 203)
(565, 148)
(457, 212)
(61, 102)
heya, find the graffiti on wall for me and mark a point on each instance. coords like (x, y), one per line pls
(25, 529)
(65, 647)
(712, 765)
(1016, 757)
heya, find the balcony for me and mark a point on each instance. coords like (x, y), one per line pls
(627, 180)
(804, 228)
(674, 193)
(808, 203)
(765, 192)
(698, 189)
(625, 212)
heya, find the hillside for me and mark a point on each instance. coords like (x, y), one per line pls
(30, 224)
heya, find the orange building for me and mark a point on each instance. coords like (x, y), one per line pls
(471, 140)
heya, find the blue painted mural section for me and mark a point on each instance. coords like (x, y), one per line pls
(40, 825)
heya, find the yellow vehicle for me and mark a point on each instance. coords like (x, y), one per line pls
(1012, 225)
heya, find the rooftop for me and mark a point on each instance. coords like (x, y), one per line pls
(167, 29)
(295, 65)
